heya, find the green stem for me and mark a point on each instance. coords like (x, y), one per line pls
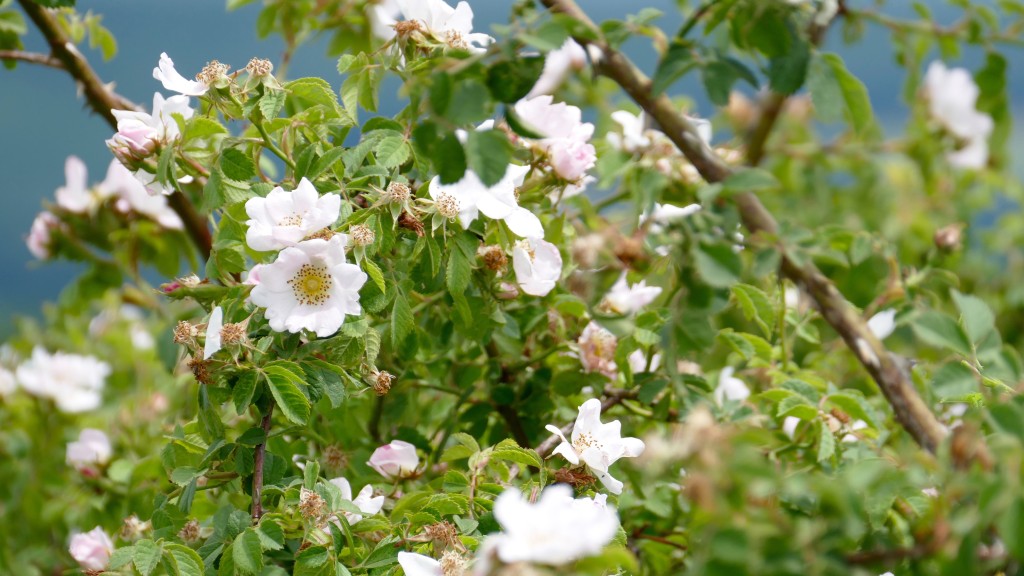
(269, 145)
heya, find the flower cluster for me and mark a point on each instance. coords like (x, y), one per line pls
(75, 383)
(952, 101)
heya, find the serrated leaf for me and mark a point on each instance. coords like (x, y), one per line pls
(509, 450)
(458, 273)
(247, 552)
(272, 102)
(826, 442)
(855, 406)
(203, 127)
(718, 264)
(236, 165)
(975, 316)
(392, 151)
(271, 535)
(756, 306)
(184, 561)
(293, 403)
(375, 274)
(402, 321)
(488, 153)
(147, 556)
(938, 329)
(313, 91)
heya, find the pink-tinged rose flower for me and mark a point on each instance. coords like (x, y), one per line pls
(597, 350)
(38, 240)
(453, 26)
(91, 448)
(133, 196)
(75, 196)
(92, 549)
(395, 460)
(139, 134)
(283, 219)
(571, 159)
(559, 64)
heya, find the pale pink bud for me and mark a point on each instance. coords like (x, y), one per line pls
(395, 460)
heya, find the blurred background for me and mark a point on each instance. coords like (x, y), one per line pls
(42, 121)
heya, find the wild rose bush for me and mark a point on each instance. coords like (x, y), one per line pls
(542, 320)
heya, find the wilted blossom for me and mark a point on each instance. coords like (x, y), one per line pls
(310, 287)
(730, 388)
(366, 502)
(395, 460)
(283, 219)
(952, 101)
(555, 530)
(564, 136)
(626, 299)
(38, 240)
(175, 82)
(470, 197)
(596, 444)
(92, 549)
(558, 64)
(133, 196)
(75, 195)
(213, 327)
(538, 266)
(73, 382)
(597, 350)
(139, 135)
(883, 324)
(453, 26)
(91, 448)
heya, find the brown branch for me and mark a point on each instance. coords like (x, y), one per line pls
(257, 470)
(894, 381)
(32, 58)
(103, 100)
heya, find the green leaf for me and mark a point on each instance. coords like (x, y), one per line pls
(509, 450)
(796, 406)
(271, 535)
(450, 159)
(121, 557)
(459, 270)
(756, 306)
(786, 72)
(511, 80)
(375, 274)
(488, 153)
(826, 442)
(184, 561)
(242, 393)
(315, 561)
(835, 91)
(247, 552)
(289, 397)
(750, 180)
(975, 316)
(272, 102)
(954, 380)
(392, 151)
(313, 91)
(402, 321)
(678, 60)
(147, 556)
(855, 405)
(940, 330)
(236, 165)
(718, 264)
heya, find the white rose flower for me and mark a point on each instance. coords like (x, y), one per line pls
(564, 135)
(638, 362)
(383, 16)
(76, 196)
(472, 197)
(634, 136)
(558, 64)
(133, 196)
(73, 382)
(8, 384)
(555, 530)
(597, 445)
(139, 134)
(538, 266)
(213, 327)
(92, 447)
(730, 388)
(952, 101)
(366, 502)
(664, 214)
(283, 219)
(626, 299)
(310, 287)
(175, 82)
(453, 26)
(38, 240)
(92, 549)
(883, 324)
(395, 460)
(419, 565)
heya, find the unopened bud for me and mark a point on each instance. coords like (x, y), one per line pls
(190, 281)
(259, 67)
(361, 235)
(494, 257)
(948, 238)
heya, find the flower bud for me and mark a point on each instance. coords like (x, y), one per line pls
(949, 238)
(39, 241)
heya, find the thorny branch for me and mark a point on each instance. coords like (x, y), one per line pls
(102, 99)
(892, 378)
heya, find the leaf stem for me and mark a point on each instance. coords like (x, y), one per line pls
(257, 473)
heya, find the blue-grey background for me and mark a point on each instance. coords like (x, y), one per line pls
(42, 121)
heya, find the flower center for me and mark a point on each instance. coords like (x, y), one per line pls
(312, 284)
(293, 220)
(585, 441)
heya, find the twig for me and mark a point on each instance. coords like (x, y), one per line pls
(32, 58)
(103, 100)
(910, 410)
(257, 470)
